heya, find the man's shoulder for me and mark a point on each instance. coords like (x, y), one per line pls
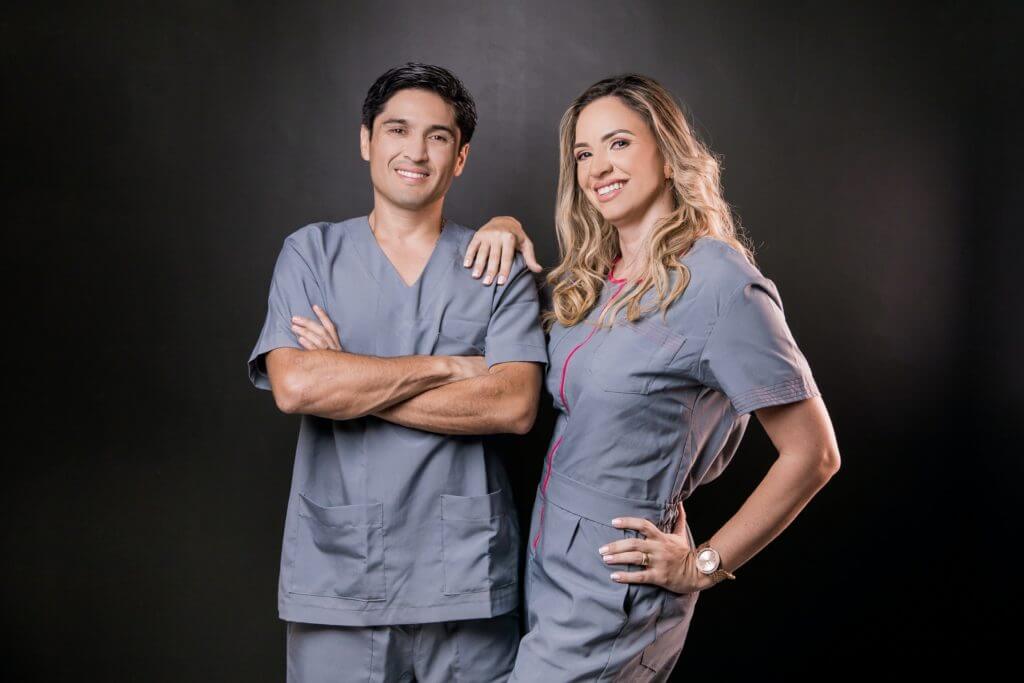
(463, 235)
(320, 236)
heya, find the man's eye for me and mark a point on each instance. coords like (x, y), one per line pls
(441, 138)
(397, 130)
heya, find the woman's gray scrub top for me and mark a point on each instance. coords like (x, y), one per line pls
(388, 524)
(646, 413)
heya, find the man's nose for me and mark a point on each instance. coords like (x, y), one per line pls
(416, 150)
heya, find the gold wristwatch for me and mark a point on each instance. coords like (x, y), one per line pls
(710, 563)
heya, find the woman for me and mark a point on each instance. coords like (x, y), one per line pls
(664, 337)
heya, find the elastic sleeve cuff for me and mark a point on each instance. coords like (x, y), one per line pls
(790, 391)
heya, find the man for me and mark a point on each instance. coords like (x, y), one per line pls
(400, 552)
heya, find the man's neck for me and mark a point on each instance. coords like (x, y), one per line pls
(393, 223)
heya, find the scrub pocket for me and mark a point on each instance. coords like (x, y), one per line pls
(340, 551)
(460, 337)
(632, 356)
(479, 543)
(568, 553)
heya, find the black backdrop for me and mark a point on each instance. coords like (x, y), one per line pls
(156, 154)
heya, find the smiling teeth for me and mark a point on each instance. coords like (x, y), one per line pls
(608, 188)
(410, 174)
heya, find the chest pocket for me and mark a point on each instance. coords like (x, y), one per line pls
(633, 356)
(460, 337)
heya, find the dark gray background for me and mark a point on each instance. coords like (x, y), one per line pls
(156, 155)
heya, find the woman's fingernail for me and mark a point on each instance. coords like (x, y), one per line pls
(607, 558)
(615, 576)
(616, 521)
(476, 273)
(603, 550)
(487, 280)
(466, 263)
(501, 279)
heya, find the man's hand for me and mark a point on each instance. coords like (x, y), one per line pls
(313, 335)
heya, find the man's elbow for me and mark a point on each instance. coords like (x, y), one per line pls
(287, 396)
(524, 417)
(284, 369)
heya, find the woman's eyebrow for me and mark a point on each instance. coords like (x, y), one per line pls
(604, 137)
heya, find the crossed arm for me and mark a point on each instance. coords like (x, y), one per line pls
(443, 394)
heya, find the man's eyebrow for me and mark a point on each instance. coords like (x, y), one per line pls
(604, 137)
(436, 126)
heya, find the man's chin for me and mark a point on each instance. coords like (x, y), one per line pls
(409, 201)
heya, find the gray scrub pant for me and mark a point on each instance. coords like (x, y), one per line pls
(470, 651)
(582, 626)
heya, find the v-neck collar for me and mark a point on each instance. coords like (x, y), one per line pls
(385, 269)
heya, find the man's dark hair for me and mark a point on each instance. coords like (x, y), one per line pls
(427, 77)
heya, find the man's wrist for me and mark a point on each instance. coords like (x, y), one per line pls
(448, 369)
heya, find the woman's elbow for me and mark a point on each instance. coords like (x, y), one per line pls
(831, 462)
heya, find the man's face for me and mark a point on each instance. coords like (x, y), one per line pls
(414, 151)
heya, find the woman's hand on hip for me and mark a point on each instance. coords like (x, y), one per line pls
(494, 246)
(668, 560)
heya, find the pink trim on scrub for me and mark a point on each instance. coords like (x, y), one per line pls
(561, 391)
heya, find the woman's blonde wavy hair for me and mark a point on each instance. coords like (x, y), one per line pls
(588, 244)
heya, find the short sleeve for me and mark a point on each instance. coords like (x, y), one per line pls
(514, 332)
(293, 291)
(751, 355)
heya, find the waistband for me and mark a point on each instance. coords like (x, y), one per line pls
(601, 507)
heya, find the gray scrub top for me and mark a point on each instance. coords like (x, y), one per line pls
(387, 524)
(651, 410)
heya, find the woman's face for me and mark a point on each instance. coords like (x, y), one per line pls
(618, 164)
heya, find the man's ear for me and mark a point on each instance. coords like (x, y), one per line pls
(460, 161)
(364, 142)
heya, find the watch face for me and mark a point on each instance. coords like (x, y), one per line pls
(707, 560)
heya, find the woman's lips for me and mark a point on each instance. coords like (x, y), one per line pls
(613, 194)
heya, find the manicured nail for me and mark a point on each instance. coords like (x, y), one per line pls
(476, 273)
(603, 550)
(295, 318)
(466, 263)
(615, 576)
(616, 521)
(501, 279)
(607, 558)
(487, 280)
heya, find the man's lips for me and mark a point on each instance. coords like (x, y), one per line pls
(412, 175)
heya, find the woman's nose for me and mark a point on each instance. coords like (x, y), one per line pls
(600, 165)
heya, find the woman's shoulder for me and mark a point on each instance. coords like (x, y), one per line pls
(718, 269)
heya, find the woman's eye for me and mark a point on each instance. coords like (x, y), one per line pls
(579, 157)
(625, 143)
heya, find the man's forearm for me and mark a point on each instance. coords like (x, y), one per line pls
(503, 401)
(343, 386)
